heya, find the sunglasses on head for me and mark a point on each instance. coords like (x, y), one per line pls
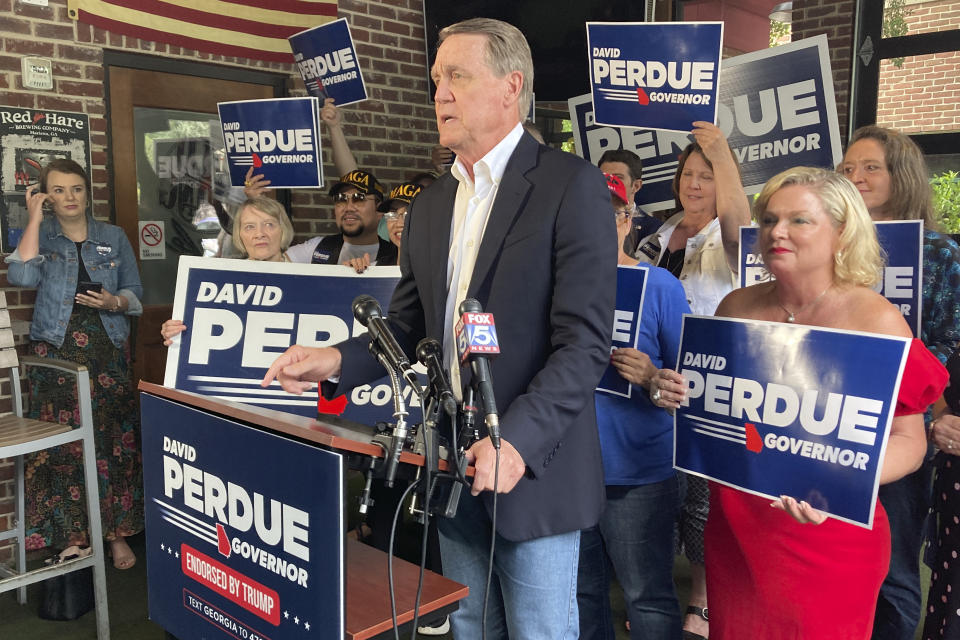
(356, 196)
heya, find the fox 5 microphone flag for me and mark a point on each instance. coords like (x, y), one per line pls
(279, 138)
(654, 75)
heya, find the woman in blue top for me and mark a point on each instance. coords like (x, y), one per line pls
(87, 284)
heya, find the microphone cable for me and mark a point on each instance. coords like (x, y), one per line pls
(393, 531)
(493, 545)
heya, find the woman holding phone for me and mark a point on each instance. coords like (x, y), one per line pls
(87, 285)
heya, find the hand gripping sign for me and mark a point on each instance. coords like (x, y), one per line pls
(780, 409)
(631, 285)
(279, 138)
(654, 75)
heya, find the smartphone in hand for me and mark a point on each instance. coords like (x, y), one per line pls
(86, 286)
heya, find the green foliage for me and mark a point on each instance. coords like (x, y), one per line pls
(895, 14)
(779, 31)
(946, 199)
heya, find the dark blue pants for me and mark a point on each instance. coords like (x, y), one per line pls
(898, 606)
(635, 539)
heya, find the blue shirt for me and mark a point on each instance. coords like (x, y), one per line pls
(109, 260)
(636, 437)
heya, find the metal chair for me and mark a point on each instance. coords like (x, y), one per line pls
(20, 436)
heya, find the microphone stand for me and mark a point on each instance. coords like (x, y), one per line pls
(400, 429)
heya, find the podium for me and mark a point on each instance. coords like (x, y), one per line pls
(245, 526)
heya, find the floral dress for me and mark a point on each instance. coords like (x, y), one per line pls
(56, 507)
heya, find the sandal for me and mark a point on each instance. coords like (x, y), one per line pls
(70, 553)
(124, 561)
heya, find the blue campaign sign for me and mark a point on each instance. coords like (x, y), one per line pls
(631, 285)
(242, 314)
(328, 63)
(782, 409)
(776, 107)
(656, 75)
(901, 284)
(279, 138)
(244, 529)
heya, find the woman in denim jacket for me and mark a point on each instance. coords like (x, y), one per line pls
(80, 315)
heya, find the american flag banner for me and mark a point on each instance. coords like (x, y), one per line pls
(256, 29)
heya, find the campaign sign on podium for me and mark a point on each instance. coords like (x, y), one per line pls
(783, 409)
(244, 529)
(279, 138)
(902, 281)
(242, 314)
(631, 285)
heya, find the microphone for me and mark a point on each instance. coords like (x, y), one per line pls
(476, 342)
(430, 355)
(367, 311)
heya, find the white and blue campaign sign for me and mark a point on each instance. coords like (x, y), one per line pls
(279, 138)
(902, 281)
(783, 409)
(631, 285)
(655, 75)
(242, 314)
(776, 107)
(244, 529)
(327, 60)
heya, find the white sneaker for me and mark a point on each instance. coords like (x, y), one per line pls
(438, 628)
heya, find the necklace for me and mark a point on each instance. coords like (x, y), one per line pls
(792, 316)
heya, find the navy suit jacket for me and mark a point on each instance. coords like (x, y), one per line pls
(546, 269)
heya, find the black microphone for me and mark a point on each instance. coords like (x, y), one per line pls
(367, 311)
(430, 355)
(476, 341)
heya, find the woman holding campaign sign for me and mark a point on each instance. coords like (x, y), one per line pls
(261, 231)
(699, 245)
(71, 256)
(889, 171)
(789, 571)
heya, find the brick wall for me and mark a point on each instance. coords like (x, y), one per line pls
(835, 19)
(391, 133)
(924, 93)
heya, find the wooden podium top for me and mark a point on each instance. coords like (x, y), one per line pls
(368, 596)
(335, 433)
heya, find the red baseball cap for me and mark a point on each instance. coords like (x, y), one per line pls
(616, 187)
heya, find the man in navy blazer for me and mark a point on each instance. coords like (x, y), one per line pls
(529, 232)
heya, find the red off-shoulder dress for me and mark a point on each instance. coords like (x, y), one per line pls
(770, 577)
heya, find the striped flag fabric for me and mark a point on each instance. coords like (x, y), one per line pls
(255, 29)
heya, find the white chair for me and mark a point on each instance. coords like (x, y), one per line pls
(20, 436)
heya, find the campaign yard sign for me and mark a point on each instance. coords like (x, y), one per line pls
(244, 529)
(902, 281)
(631, 285)
(242, 314)
(656, 75)
(279, 138)
(776, 107)
(327, 60)
(782, 409)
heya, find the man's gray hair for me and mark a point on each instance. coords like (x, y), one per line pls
(506, 51)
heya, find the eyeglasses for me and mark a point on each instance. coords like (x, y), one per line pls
(622, 212)
(395, 215)
(356, 196)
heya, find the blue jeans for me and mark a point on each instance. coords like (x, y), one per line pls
(635, 538)
(534, 586)
(898, 606)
